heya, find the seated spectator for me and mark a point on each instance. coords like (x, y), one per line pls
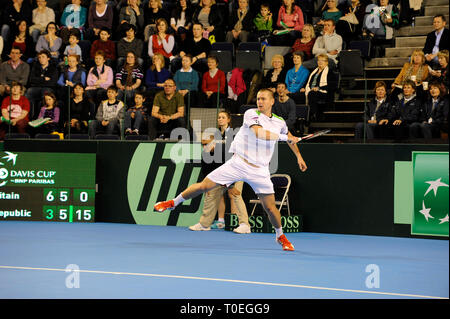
(437, 40)
(329, 43)
(405, 111)
(152, 12)
(441, 73)
(129, 43)
(208, 14)
(240, 23)
(136, 118)
(290, 23)
(349, 26)
(285, 107)
(304, 44)
(129, 78)
(276, 74)
(105, 45)
(263, 21)
(100, 15)
(167, 111)
(50, 42)
(415, 70)
(12, 70)
(81, 111)
(73, 48)
(181, 19)
(51, 112)
(376, 113)
(41, 17)
(109, 113)
(156, 75)
(73, 73)
(187, 81)
(320, 88)
(15, 110)
(72, 17)
(331, 12)
(379, 25)
(43, 78)
(198, 47)
(132, 14)
(213, 83)
(99, 79)
(13, 12)
(161, 42)
(434, 117)
(21, 38)
(296, 78)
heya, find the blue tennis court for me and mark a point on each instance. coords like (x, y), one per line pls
(107, 260)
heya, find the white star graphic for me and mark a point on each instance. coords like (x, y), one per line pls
(425, 211)
(11, 157)
(444, 220)
(434, 185)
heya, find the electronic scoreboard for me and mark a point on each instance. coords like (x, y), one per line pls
(47, 186)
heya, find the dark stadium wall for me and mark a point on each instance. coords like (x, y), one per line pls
(347, 189)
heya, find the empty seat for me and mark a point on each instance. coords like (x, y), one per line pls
(248, 60)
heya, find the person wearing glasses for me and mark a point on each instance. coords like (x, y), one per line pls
(167, 111)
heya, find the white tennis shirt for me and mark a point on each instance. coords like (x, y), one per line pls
(257, 151)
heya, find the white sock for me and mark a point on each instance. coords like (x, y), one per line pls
(221, 220)
(178, 200)
(279, 231)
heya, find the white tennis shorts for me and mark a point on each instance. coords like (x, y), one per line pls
(236, 169)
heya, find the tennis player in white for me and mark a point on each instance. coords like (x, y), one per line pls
(253, 147)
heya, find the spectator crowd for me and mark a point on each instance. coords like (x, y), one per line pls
(89, 66)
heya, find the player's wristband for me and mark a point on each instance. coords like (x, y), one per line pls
(283, 137)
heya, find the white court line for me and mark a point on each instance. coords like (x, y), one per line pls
(224, 280)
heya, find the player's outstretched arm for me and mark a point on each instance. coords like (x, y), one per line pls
(296, 151)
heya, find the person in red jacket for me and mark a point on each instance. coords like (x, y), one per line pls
(213, 82)
(15, 110)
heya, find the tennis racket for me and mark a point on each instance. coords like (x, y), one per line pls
(313, 135)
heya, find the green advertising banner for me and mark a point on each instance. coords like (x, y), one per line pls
(160, 171)
(431, 188)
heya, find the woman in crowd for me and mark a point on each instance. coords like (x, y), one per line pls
(152, 12)
(41, 16)
(187, 81)
(156, 75)
(132, 14)
(296, 78)
(415, 70)
(377, 113)
(181, 19)
(81, 111)
(208, 14)
(129, 79)
(100, 16)
(290, 20)
(320, 88)
(73, 17)
(161, 42)
(213, 83)
(276, 74)
(379, 25)
(304, 44)
(22, 39)
(50, 42)
(100, 77)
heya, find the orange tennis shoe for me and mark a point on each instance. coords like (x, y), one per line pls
(162, 206)
(283, 241)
